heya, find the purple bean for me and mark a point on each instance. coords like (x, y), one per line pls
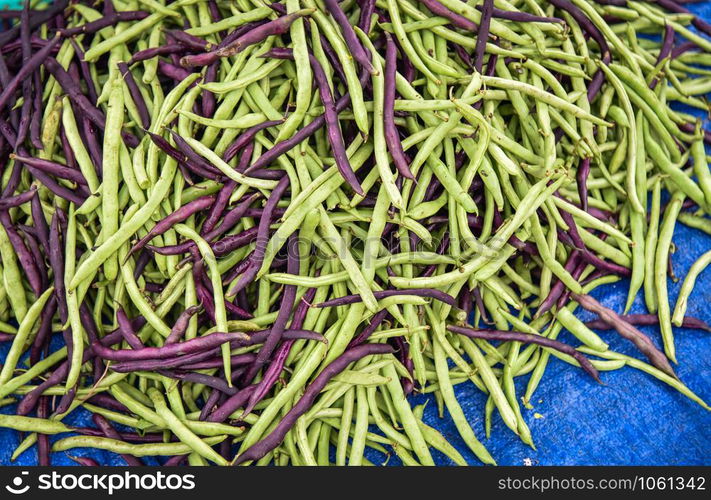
(40, 57)
(108, 431)
(581, 176)
(246, 137)
(44, 331)
(26, 45)
(245, 28)
(85, 71)
(92, 145)
(191, 346)
(391, 134)
(479, 301)
(459, 21)
(218, 207)
(23, 254)
(586, 254)
(66, 401)
(85, 461)
(37, 257)
(108, 402)
(521, 17)
(257, 256)
(17, 200)
(335, 137)
(285, 308)
(236, 360)
(528, 338)
(124, 326)
(271, 375)
(647, 320)
(209, 101)
(557, 289)
(288, 144)
(150, 53)
(577, 273)
(367, 8)
(43, 446)
(189, 41)
(354, 45)
(52, 168)
(181, 158)
(271, 441)
(231, 404)
(278, 26)
(35, 123)
(681, 49)
(36, 19)
(163, 364)
(639, 339)
(104, 22)
(181, 325)
(172, 71)
(175, 461)
(482, 34)
(234, 241)
(201, 378)
(55, 256)
(375, 322)
(466, 59)
(664, 51)
(191, 155)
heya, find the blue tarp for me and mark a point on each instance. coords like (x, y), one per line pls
(631, 419)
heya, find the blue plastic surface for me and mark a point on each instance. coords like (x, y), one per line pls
(632, 419)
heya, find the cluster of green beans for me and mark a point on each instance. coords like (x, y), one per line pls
(538, 139)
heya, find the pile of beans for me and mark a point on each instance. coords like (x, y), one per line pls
(256, 228)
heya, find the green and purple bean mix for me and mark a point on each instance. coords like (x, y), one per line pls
(258, 227)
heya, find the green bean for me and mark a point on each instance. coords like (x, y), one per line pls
(182, 432)
(256, 14)
(437, 440)
(680, 179)
(493, 387)
(454, 409)
(22, 335)
(701, 169)
(656, 373)
(498, 179)
(137, 450)
(409, 422)
(11, 277)
(580, 331)
(661, 256)
(687, 286)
